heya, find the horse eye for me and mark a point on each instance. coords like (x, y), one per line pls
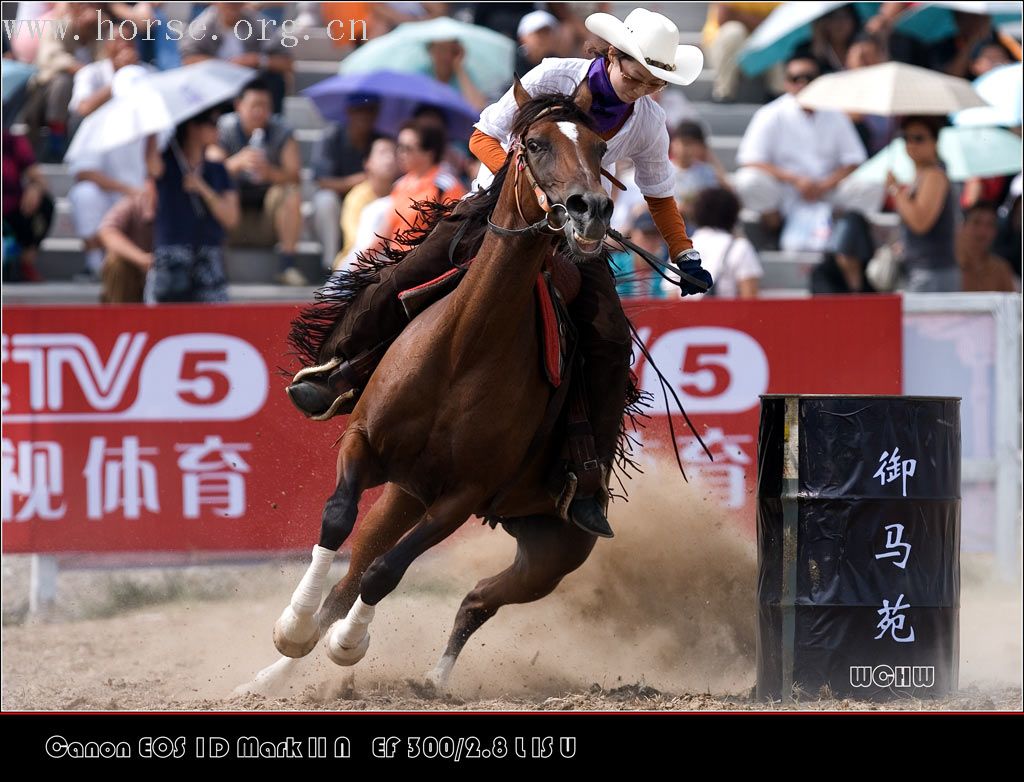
(533, 146)
(602, 149)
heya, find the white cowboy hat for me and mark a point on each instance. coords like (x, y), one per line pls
(653, 41)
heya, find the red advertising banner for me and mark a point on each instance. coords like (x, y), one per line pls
(136, 428)
(720, 356)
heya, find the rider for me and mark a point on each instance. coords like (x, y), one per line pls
(641, 57)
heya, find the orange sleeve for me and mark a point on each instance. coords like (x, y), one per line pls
(487, 150)
(670, 224)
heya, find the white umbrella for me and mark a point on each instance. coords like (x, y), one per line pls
(1002, 87)
(890, 89)
(157, 103)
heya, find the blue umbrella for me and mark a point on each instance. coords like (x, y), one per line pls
(400, 94)
(931, 22)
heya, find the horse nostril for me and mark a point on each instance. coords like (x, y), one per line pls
(606, 208)
(577, 205)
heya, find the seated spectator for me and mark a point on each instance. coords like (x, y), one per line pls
(58, 59)
(694, 172)
(927, 210)
(727, 28)
(338, 166)
(101, 180)
(633, 276)
(832, 36)
(990, 53)
(844, 267)
(1008, 243)
(24, 44)
(447, 65)
(420, 150)
(220, 40)
(538, 38)
(456, 153)
(951, 55)
(380, 168)
(93, 83)
(981, 269)
(126, 234)
(874, 130)
(157, 48)
(260, 152)
(385, 17)
(731, 259)
(794, 159)
(195, 204)
(27, 209)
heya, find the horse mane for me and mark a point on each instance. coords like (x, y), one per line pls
(317, 321)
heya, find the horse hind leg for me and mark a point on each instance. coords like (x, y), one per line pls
(349, 637)
(548, 549)
(297, 630)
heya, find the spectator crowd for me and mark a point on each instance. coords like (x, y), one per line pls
(156, 217)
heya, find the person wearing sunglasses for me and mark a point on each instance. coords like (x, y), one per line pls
(792, 160)
(927, 211)
(635, 59)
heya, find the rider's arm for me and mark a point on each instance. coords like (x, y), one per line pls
(665, 212)
(488, 150)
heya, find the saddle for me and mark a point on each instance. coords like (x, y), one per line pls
(556, 287)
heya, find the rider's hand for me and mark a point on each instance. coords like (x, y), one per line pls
(689, 261)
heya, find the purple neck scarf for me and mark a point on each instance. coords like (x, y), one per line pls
(606, 110)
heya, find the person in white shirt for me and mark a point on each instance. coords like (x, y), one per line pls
(102, 179)
(731, 259)
(792, 157)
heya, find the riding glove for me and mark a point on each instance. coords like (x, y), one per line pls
(689, 261)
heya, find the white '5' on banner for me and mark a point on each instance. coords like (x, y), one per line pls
(712, 369)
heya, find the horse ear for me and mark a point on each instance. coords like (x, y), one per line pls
(521, 95)
(583, 97)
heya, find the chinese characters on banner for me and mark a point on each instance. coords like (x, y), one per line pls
(721, 356)
(167, 428)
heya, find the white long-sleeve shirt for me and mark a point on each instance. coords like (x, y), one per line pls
(642, 139)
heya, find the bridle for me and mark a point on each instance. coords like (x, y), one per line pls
(521, 166)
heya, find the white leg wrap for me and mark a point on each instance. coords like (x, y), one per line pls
(349, 632)
(307, 595)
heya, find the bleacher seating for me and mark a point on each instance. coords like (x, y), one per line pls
(60, 257)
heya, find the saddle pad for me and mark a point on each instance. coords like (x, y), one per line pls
(551, 314)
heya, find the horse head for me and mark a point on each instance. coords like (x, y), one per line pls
(557, 167)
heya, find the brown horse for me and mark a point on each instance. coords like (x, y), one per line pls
(448, 418)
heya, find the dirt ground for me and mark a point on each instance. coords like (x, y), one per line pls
(660, 618)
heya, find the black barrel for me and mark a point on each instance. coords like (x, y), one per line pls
(858, 538)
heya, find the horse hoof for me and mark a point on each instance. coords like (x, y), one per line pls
(342, 656)
(290, 625)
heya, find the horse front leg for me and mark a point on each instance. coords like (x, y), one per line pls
(297, 630)
(349, 638)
